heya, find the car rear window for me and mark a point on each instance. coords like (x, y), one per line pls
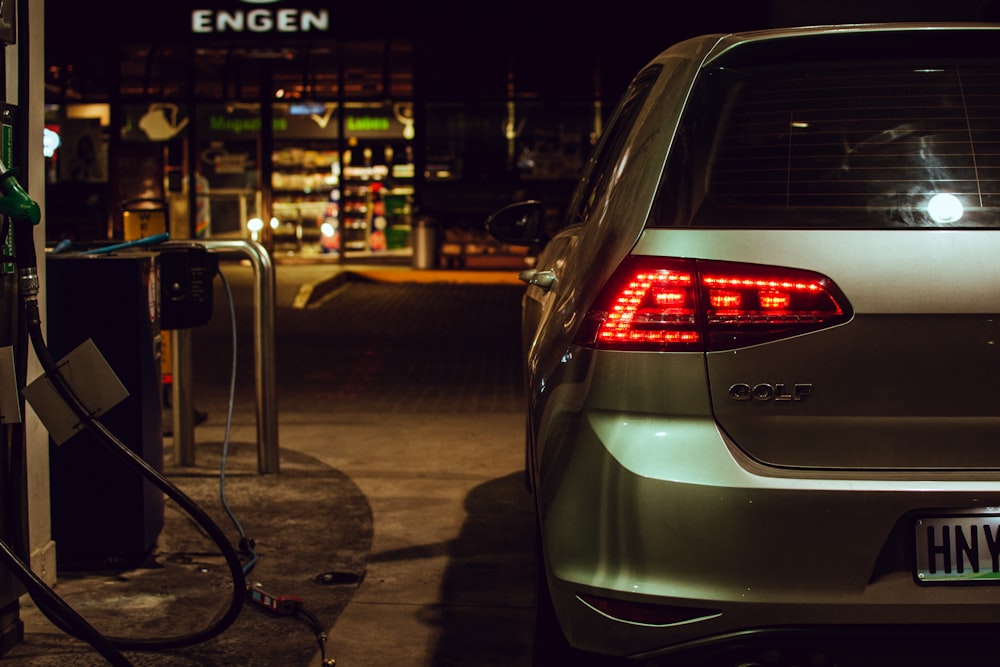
(860, 144)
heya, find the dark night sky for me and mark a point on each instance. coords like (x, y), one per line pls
(461, 38)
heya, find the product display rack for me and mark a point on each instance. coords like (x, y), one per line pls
(367, 207)
(304, 181)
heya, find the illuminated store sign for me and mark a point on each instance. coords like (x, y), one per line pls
(367, 123)
(238, 125)
(259, 20)
(362, 126)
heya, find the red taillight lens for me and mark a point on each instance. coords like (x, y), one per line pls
(655, 307)
(773, 302)
(675, 304)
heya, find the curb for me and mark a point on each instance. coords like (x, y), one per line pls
(314, 293)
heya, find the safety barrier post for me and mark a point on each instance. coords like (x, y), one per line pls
(264, 372)
(181, 397)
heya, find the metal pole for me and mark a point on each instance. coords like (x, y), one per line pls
(181, 399)
(264, 373)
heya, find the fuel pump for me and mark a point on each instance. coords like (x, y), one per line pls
(22, 213)
(13, 451)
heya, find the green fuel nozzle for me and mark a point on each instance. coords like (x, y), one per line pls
(24, 213)
(14, 201)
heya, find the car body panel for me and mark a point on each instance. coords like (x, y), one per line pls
(619, 485)
(599, 233)
(884, 272)
(799, 506)
(877, 399)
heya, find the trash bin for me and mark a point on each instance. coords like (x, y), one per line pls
(424, 244)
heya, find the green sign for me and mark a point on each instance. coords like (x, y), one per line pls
(367, 124)
(238, 125)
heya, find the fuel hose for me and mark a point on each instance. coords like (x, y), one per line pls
(25, 259)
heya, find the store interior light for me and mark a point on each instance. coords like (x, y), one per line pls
(50, 142)
(254, 225)
(306, 109)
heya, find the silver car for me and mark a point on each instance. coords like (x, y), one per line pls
(762, 355)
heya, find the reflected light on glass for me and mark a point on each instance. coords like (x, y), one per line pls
(945, 208)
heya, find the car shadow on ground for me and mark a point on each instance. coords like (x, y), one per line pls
(486, 609)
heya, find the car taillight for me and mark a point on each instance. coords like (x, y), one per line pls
(689, 305)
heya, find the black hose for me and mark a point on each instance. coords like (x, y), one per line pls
(25, 255)
(14, 557)
(60, 613)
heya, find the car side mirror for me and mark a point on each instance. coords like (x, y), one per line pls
(522, 224)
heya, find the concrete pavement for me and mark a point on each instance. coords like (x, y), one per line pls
(448, 577)
(448, 573)
(427, 507)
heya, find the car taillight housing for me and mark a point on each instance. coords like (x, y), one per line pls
(668, 304)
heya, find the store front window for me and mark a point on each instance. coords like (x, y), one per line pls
(351, 195)
(307, 148)
(316, 145)
(77, 164)
(483, 155)
(226, 163)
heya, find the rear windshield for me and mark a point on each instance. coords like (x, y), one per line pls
(857, 145)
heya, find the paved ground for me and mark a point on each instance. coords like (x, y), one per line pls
(398, 525)
(398, 517)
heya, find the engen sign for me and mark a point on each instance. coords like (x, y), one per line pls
(259, 19)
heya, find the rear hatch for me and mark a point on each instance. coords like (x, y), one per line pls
(880, 178)
(910, 381)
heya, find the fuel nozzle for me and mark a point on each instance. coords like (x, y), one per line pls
(24, 213)
(14, 201)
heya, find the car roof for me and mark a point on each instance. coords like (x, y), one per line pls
(712, 46)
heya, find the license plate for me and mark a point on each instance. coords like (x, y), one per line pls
(958, 549)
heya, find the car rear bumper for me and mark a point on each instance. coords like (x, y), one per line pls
(665, 510)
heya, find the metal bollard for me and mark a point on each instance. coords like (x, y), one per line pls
(264, 372)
